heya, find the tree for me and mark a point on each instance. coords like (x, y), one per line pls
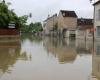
(35, 27)
(38, 27)
(23, 20)
(7, 16)
(22, 23)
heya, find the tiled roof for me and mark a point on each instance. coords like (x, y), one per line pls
(96, 2)
(82, 21)
(84, 24)
(66, 13)
(55, 15)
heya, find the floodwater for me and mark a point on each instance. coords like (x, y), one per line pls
(34, 58)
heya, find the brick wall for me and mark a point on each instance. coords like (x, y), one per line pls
(9, 32)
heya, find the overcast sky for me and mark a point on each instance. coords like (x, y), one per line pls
(41, 8)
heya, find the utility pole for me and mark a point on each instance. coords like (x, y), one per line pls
(93, 1)
(93, 26)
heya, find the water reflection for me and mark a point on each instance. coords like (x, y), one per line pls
(37, 58)
(10, 53)
(59, 48)
(66, 50)
(30, 37)
(84, 47)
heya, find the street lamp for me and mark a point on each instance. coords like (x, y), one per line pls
(3, 1)
(92, 1)
(30, 15)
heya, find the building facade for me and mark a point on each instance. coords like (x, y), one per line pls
(96, 61)
(97, 20)
(84, 28)
(67, 23)
(49, 24)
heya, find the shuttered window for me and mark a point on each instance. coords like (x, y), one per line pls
(99, 14)
(98, 31)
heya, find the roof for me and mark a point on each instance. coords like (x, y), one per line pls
(84, 24)
(83, 21)
(66, 13)
(55, 15)
(96, 3)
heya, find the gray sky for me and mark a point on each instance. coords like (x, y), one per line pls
(41, 8)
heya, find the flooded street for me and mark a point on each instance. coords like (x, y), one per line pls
(34, 58)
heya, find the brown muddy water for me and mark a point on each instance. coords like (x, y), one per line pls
(35, 58)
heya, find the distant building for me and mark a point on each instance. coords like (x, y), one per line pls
(67, 23)
(49, 24)
(97, 20)
(84, 28)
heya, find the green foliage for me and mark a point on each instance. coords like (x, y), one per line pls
(23, 20)
(36, 27)
(32, 27)
(22, 23)
(7, 16)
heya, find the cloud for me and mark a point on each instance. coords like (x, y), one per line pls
(41, 8)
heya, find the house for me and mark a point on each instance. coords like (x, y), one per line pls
(67, 23)
(49, 24)
(97, 20)
(84, 28)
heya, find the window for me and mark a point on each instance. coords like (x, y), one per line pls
(98, 15)
(98, 50)
(98, 31)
